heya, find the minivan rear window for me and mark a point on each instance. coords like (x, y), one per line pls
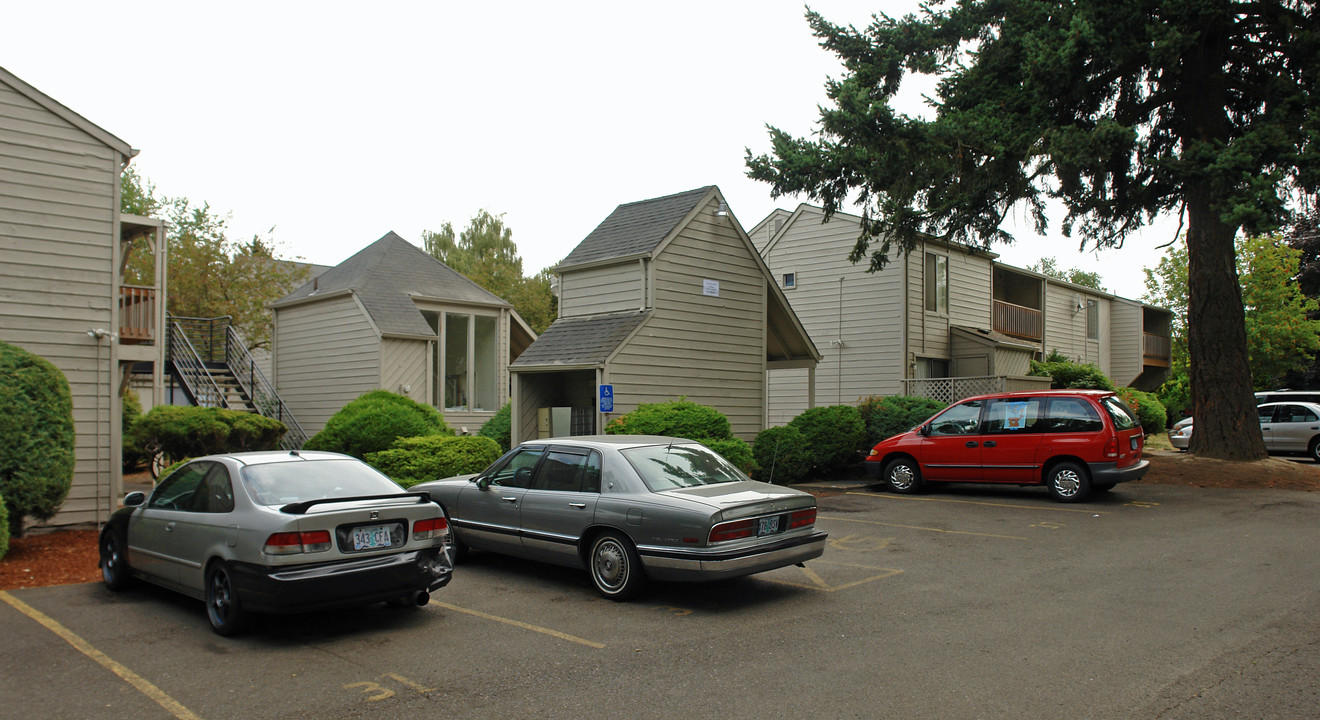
(1123, 417)
(1072, 414)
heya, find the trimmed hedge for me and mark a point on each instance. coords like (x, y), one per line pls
(1068, 375)
(782, 455)
(4, 528)
(675, 418)
(414, 460)
(1150, 411)
(885, 417)
(36, 436)
(834, 434)
(372, 423)
(500, 427)
(735, 450)
(182, 431)
(131, 453)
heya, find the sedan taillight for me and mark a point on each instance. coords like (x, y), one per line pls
(293, 543)
(732, 530)
(430, 528)
(802, 518)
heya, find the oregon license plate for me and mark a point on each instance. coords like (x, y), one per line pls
(371, 537)
(768, 525)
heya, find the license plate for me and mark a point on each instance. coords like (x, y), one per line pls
(371, 537)
(1133, 440)
(768, 525)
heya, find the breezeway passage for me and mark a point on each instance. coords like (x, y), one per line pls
(956, 604)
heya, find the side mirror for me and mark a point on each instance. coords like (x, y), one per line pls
(482, 483)
(135, 498)
(924, 431)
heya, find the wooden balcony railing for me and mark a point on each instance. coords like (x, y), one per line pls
(137, 314)
(1155, 349)
(1018, 321)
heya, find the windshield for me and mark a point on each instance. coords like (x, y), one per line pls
(289, 482)
(666, 467)
(1124, 418)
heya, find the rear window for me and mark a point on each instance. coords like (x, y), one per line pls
(1072, 414)
(1122, 415)
(289, 482)
(667, 467)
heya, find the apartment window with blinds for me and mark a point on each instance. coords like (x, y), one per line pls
(937, 283)
(1092, 320)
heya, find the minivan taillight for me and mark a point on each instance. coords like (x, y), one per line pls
(1111, 448)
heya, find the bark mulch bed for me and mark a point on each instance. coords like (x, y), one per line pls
(64, 556)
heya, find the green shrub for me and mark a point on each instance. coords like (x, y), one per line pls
(4, 528)
(186, 431)
(1068, 375)
(735, 450)
(782, 455)
(675, 418)
(1150, 411)
(374, 421)
(500, 427)
(885, 417)
(36, 436)
(834, 434)
(433, 457)
(131, 453)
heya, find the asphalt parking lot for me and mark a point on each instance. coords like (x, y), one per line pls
(1154, 602)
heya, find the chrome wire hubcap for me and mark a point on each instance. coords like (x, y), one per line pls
(611, 565)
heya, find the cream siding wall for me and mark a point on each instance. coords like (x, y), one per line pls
(613, 288)
(1065, 325)
(404, 365)
(58, 264)
(326, 354)
(837, 300)
(1011, 362)
(1125, 358)
(709, 349)
(969, 299)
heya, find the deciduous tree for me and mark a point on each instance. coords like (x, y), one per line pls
(1120, 109)
(1049, 266)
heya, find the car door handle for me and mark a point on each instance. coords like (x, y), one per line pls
(579, 506)
(971, 443)
(169, 527)
(510, 499)
(989, 443)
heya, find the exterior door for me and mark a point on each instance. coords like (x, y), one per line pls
(951, 450)
(489, 518)
(561, 504)
(1010, 440)
(1266, 413)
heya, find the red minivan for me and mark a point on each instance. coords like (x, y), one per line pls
(1073, 442)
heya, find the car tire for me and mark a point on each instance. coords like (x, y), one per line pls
(902, 475)
(1068, 482)
(615, 567)
(114, 562)
(223, 607)
(1313, 450)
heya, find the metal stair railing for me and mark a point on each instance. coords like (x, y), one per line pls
(192, 372)
(260, 390)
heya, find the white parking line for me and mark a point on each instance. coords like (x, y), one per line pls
(918, 527)
(520, 624)
(1055, 508)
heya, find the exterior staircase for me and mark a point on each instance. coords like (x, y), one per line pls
(210, 361)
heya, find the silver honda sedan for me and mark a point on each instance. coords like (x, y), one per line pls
(628, 508)
(275, 532)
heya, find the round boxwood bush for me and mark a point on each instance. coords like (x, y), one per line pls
(36, 436)
(833, 433)
(434, 457)
(782, 456)
(1150, 411)
(181, 431)
(887, 416)
(735, 450)
(500, 427)
(675, 418)
(4, 528)
(374, 421)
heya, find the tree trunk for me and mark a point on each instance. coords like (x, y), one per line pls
(1226, 425)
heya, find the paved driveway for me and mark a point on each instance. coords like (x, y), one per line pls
(1156, 601)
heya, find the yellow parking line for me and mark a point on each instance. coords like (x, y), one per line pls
(890, 496)
(523, 625)
(918, 527)
(84, 647)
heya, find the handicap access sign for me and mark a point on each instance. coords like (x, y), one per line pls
(607, 398)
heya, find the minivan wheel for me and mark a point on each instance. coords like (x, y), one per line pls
(903, 476)
(1068, 482)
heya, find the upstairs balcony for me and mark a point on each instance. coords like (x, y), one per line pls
(1155, 350)
(141, 322)
(1017, 321)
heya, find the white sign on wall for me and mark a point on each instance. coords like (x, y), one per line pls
(710, 288)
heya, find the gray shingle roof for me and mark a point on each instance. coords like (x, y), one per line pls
(586, 340)
(385, 275)
(635, 228)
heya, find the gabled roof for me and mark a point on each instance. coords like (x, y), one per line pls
(586, 340)
(635, 228)
(386, 276)
(66, 114)
(993, 337)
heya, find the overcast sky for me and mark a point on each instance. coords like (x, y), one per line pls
(327, 124)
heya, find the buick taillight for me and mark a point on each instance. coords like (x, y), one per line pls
(1111, 448)
(732, 530)
(802, 518)
(430, 528)
(293, 543)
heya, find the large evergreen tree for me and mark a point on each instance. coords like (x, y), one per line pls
(1120, 109)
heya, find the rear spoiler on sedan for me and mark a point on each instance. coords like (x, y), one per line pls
(300, 508)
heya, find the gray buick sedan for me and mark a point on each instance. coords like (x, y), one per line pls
(275, 532)
(629, 508)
